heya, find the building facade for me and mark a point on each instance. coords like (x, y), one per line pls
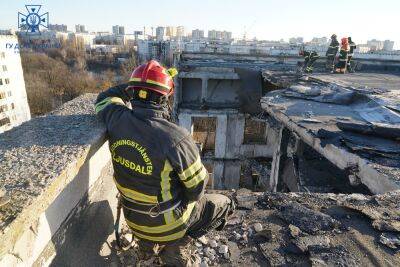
(160, 33)
(197, 34)
(14, 108)
(388, 45)
(118, 30)
(58, 27)
(180, 31)
(375, 45)
(219, 35)
(80, 28)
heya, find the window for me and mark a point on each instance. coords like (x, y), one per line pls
(204, 131)
(3, 108)
(3, 55)
(254, 132)
(4, 68)
(12, 106)
(1, 81)
(4, 121)
(7, 81)
(2, 95)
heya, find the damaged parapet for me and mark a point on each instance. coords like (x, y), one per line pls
(48, 167)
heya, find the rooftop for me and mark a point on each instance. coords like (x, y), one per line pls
(57, 181)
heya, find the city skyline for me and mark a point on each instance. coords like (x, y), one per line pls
(252, 17)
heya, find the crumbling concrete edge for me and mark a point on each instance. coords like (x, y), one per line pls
(29, 233)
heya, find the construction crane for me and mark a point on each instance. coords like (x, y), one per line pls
(246, 31)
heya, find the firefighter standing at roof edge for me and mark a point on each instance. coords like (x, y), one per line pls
(157, 167)
(331, 53)
(352, 47)
(343, 56)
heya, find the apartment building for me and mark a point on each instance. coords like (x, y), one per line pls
(14, 108)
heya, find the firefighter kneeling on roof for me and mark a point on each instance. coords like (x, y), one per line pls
(157, 167)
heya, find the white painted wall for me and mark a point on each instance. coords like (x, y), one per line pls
(10, 58)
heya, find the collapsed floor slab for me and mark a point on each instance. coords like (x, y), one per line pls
(332, 119)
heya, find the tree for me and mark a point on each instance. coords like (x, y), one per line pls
(127, 67)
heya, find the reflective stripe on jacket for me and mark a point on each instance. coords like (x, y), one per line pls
(157, 166)
(333, 48)
(343, 54)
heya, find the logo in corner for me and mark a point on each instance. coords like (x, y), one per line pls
(32, 21)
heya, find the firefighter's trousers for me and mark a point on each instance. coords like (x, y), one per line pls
(210, 212)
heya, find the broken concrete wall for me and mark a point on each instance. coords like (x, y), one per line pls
(220, 100)
(230, 153)
(48, 165)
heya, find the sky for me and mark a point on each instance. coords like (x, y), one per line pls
(264, 19)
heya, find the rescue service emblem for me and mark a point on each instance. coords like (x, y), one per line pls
(145, 167)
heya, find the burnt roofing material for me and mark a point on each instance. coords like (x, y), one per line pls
(358, 122)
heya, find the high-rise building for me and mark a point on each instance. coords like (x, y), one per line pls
(296, 40)
(319, 40)
(219, 35)
(388, 45)
(197, 34)
(14, 108)
(375, 45)
(180, 31)
(118, 30)
(160, 33)
(212, 35)
(58, 27)
(80, 28)
(170, 31)
(226, 36)
(121, 30)
(115, 29)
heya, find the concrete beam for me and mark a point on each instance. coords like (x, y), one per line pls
(185, 121)
(279, 158)
(209, 75)
(235, 134)
(218, 174)
(220, 136)
(232, 174)
(204, 87)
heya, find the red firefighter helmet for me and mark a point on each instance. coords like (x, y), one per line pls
(345, 43)
(153, 76)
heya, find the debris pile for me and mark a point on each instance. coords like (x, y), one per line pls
(255, 173)
(305, 229)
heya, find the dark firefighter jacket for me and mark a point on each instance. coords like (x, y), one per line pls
(333, 48)
(157, 167)
(343, 56)
(310, 55)
(352, 48)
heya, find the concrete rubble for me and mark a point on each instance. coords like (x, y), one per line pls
(292, 229)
